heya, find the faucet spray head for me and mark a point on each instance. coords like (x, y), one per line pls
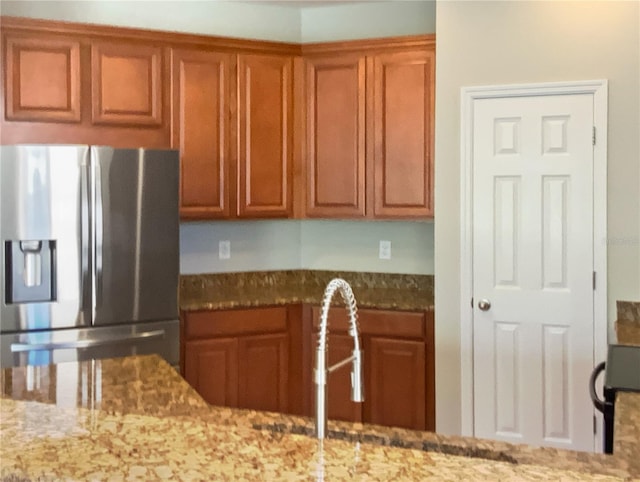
(357, 382)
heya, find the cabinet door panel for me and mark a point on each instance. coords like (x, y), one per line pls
(200, 129)
(263, 370)
(43, 79)
(265, 138)
(336, 136)
(126, 84)
(396, 383)
(211, 367)
(339, 404)
(403, 133)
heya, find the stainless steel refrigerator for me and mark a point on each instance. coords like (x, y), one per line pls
(90, 253)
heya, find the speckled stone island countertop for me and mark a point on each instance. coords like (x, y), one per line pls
(261, 288)
(135, 418)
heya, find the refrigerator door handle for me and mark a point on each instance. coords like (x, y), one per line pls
(85, 236)
(97, 227)
(147, 335)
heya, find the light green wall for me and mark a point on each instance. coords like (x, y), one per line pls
(255, 246)
(332, 245)
(225, 18)
(485, 43)
(354, 246)
(256, 20)
(368, 19)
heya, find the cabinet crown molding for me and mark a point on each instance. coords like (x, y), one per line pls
(378, 44)
(163, 37)
(190, 40)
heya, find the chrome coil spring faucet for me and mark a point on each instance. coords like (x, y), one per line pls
(321, 371)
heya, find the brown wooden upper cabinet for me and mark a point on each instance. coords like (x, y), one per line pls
(67, 83)
(264, 129)
(232, 121)
(369, 139)
(126, 84)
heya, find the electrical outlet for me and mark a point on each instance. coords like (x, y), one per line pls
(385, 250)
(224, 249)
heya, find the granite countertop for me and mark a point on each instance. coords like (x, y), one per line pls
(263, 288)
(135, 418)
(626, 430)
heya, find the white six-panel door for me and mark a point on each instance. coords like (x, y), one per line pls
(533, 263)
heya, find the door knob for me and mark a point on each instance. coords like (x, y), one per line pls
(484, 304)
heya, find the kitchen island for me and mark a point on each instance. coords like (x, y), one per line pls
(135, 418)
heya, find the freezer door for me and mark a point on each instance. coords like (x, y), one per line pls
(136, 235)
(44, 229)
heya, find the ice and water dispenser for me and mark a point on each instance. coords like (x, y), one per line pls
(30, 271)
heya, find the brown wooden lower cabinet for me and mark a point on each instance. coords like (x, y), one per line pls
(263, 359)
(238, 358)
(399, 373)
(395, 383)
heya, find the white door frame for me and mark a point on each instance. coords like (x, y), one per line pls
(599, 89)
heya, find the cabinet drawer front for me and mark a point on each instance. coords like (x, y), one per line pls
(202, 324)
(376, 322)
(338, 318)
(392, 323)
